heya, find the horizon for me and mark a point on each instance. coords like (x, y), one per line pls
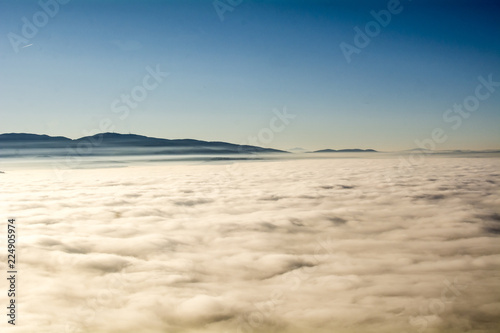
(270, 147)
(252, 166)
(266, 73)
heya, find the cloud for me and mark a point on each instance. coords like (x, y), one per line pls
(344, 245)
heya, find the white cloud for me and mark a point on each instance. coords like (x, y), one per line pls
(295, 246)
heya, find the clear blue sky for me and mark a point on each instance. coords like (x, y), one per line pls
(227, 76)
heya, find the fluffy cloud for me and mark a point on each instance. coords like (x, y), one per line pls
(344, 245)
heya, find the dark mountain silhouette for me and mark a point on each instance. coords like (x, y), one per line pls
(116, 143)
(24, 140)
(346, 151)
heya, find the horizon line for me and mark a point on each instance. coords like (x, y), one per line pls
(490, 150)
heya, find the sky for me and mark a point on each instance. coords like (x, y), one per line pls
(280, 74)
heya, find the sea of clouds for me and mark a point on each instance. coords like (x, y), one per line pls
(330, 245)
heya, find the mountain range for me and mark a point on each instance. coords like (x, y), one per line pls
(90, 145)
(26, 144)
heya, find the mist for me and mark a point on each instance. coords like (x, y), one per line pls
(313, 245)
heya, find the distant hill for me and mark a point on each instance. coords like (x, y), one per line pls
(24, 140)
(298, 150)
(125, 143)
(346, 151)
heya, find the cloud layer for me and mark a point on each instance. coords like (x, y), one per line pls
(341, 245)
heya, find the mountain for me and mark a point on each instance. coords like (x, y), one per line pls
(346, 151)
(24, 140)
(115, 143)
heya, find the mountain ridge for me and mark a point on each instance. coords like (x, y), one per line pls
(118, 140)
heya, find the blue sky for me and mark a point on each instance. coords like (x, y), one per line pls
(225, 77)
